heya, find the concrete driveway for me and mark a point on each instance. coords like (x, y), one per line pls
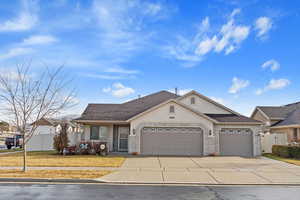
(204, 170)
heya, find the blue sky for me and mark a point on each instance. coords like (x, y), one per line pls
(240, 53)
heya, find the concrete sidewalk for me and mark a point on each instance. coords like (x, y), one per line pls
(206, 170)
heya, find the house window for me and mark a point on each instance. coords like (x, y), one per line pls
(172, 109)
(295, 136)
(94, 133)
(103, 132)
(99, 133)
(193, 100)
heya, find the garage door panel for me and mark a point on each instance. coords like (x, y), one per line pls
(172, 141)
(236, 142)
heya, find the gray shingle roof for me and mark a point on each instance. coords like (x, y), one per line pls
(122, 112)
(292, 119)
(231, 118)
(279, 112)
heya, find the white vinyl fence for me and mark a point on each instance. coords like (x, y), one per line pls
(41, 142)
(268, 140)
(44, 142)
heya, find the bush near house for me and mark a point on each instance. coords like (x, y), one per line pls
(286, 151)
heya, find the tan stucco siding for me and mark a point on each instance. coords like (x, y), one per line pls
(256, 136)
(161, 117)
(203, 106)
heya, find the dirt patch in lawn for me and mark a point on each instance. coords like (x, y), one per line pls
(57, 174)
(51, 159)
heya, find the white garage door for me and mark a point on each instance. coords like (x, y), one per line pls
(172, 141)
(236, 142)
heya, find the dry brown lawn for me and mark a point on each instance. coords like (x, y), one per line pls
(57, 174)
(51, 159)
(288, 160)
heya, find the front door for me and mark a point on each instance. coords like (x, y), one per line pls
(123, 133)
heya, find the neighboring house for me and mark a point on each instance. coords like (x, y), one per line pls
(164, 123)
(42, 139)
(280, 119)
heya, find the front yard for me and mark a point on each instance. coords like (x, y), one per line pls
(57, 174)
(287, 160)
(51, 159)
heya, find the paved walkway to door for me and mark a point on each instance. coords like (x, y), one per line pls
(204, 170)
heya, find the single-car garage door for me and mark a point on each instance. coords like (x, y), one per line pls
(236, 142)
(172, 141)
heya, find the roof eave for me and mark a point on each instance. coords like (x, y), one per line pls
(286, 126)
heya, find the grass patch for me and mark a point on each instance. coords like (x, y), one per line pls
(10, 150)
(52, 159)
(287, 160)
(57, 174)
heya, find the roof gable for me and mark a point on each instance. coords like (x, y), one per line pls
(206, 105)
(292, 119)
(155, 108)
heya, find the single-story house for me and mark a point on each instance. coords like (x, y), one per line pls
(280, 119)
(165, 123)
(42, 138)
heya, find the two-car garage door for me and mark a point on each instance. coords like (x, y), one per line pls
(172, 141)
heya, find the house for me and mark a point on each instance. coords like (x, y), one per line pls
(42, 138)
(280, 119)
(164, 123)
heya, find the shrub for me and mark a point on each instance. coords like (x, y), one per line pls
(281, 150)
(294, 151)
(61, 141)
(286, 151)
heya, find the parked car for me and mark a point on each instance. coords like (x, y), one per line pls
(15, 141)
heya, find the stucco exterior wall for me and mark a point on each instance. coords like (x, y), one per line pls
(162, 118)
(256, 136)
(203, 106)
(86, 130)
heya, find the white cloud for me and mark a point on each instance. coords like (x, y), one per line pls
(219, 100)
(119, 90)
(22, 23)
(274, 84)
(26, 20)
(39, 39)
(263, 25)
(238, 85)
(15, 52)
(272, 64)
(121, 70)
(227, 39)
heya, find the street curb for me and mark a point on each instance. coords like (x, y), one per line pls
(39, 180)
(91, 181)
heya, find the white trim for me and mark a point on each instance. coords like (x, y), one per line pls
(209, 100)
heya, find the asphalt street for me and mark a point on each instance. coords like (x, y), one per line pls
(10, 191)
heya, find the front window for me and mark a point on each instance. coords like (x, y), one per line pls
(99, 133)
(94, 133)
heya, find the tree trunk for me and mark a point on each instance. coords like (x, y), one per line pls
(24, 157)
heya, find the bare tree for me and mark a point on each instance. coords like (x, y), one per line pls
(29, 97)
